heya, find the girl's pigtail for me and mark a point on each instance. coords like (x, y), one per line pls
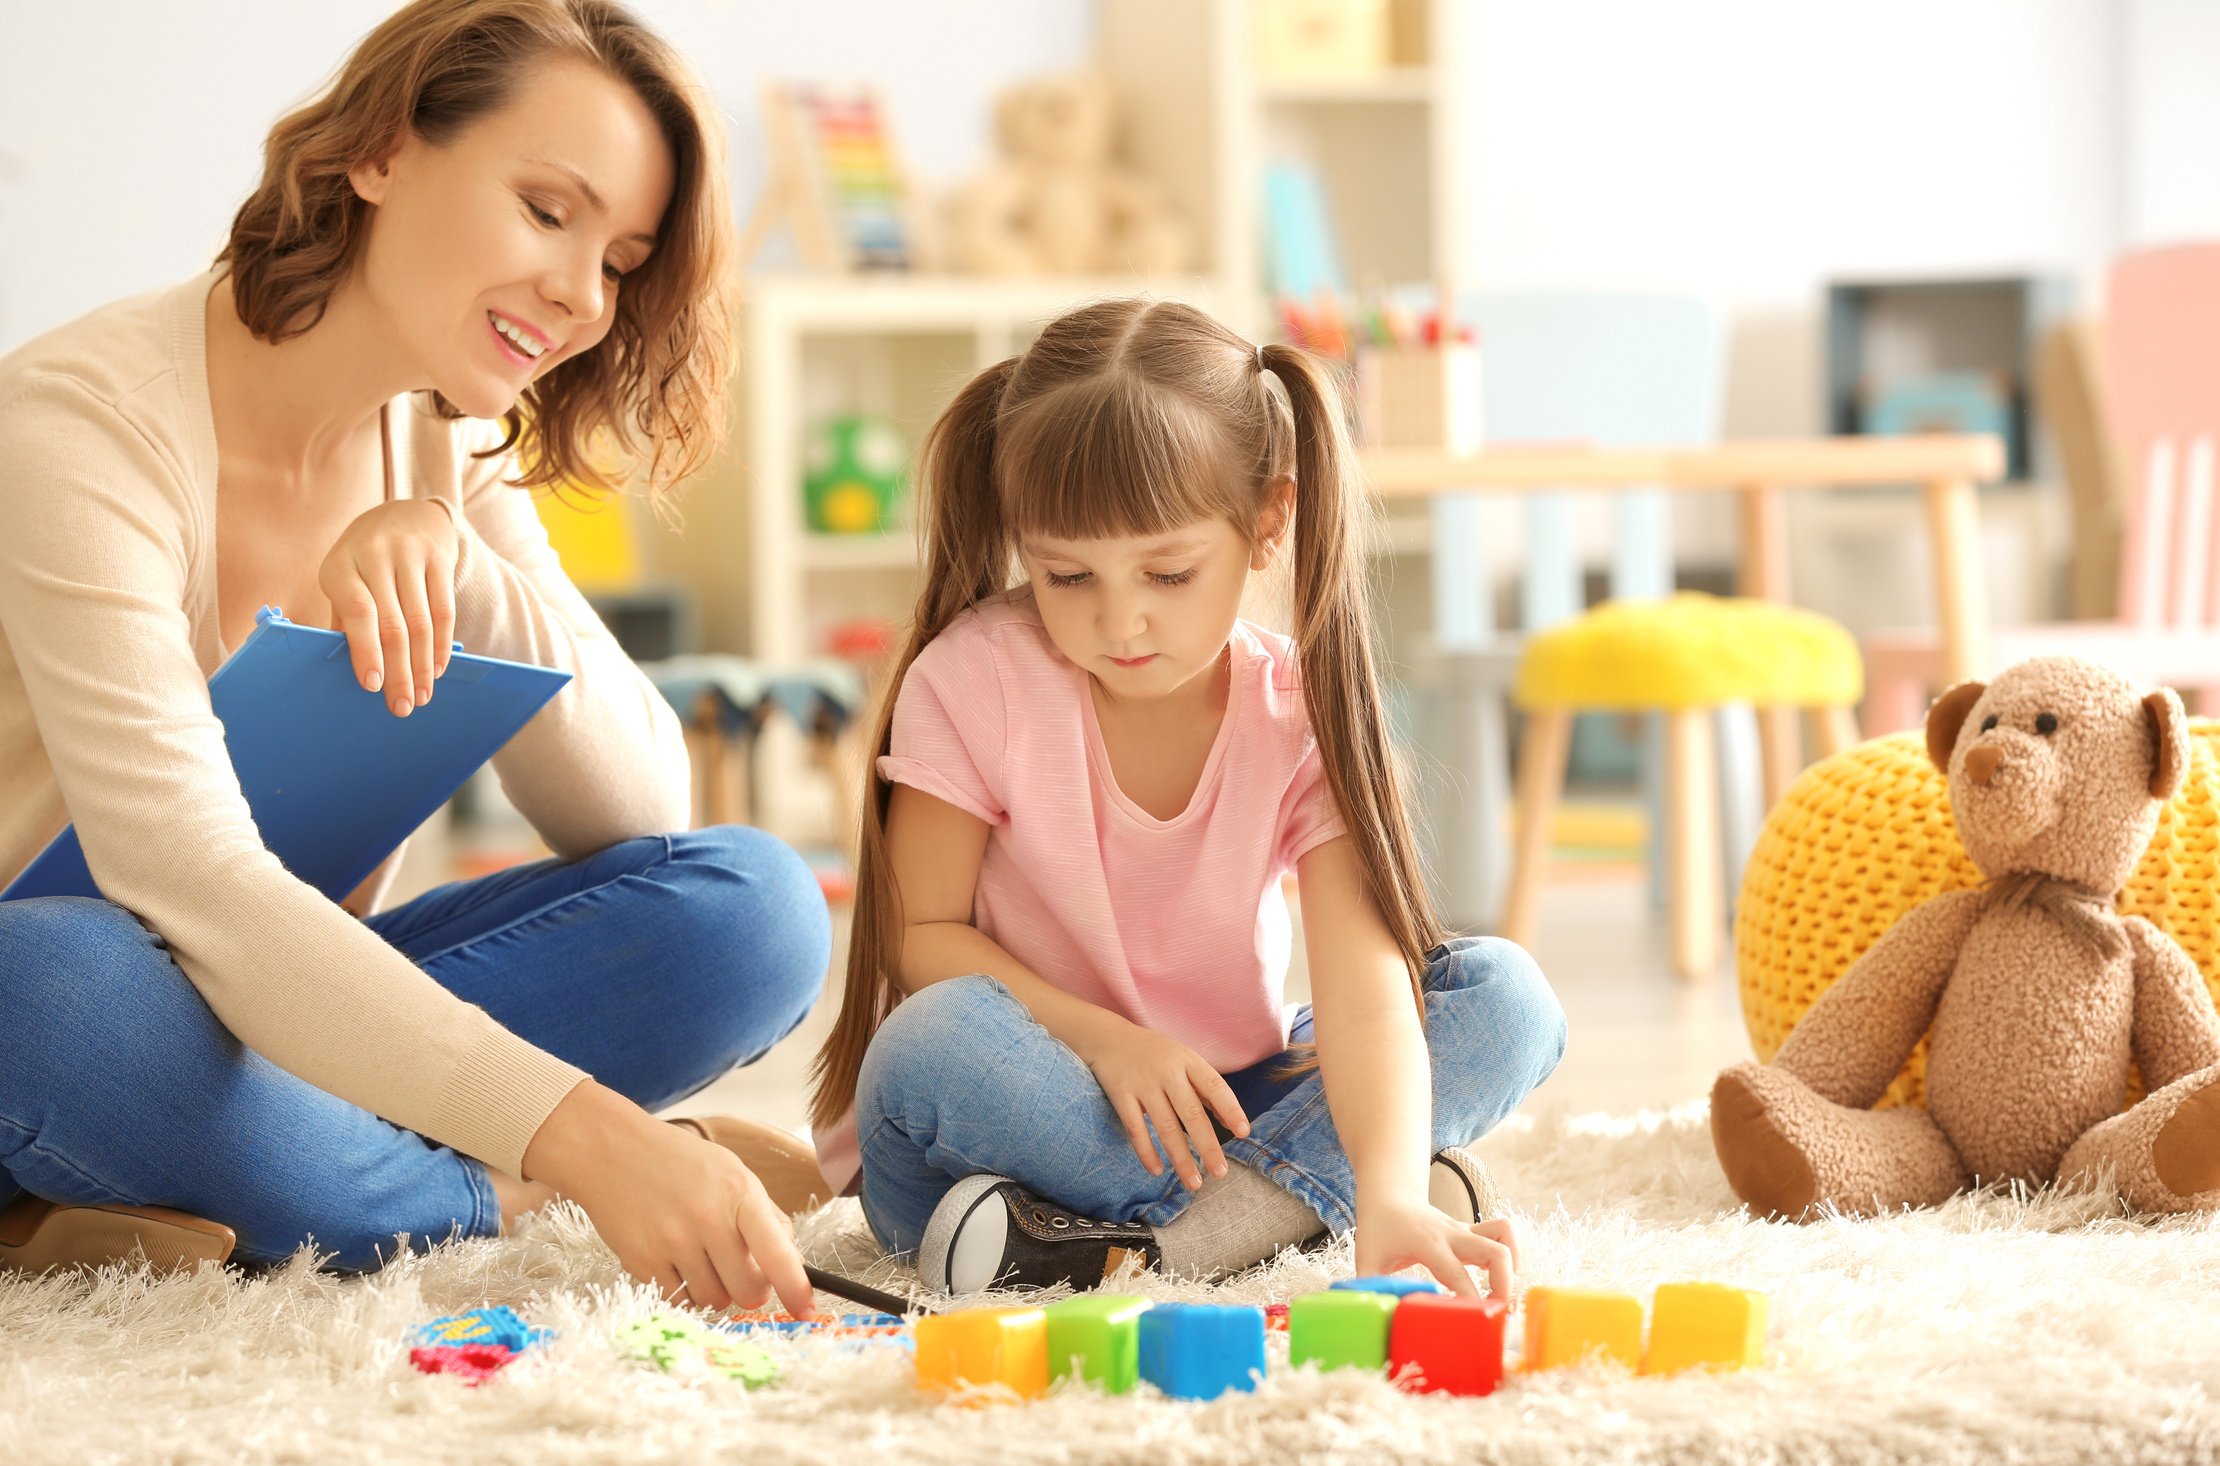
(1333, 638)
(966, 554)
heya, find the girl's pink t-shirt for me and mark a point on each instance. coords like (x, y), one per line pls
(1178, 925)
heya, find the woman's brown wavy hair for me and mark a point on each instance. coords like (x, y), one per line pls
(1132, 417)
(655, 385)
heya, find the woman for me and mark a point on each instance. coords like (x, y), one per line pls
(501, 209)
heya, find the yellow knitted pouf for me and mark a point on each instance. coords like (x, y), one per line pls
(1863, 837)
(1691, 651)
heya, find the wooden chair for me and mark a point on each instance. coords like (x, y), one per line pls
(2160, 385)
(1604, 369)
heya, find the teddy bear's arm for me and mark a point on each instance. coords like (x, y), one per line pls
(1859, 1033)
(2176, 1030)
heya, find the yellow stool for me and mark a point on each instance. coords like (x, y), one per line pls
(1865, 836)
(1685, 657)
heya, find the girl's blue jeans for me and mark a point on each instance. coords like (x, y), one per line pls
(656, 965)
(960, 1080)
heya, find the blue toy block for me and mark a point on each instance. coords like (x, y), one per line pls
(482, 1326)
(1198, 1351)
(1399, 1287)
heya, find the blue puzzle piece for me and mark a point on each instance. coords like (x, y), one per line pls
(482, 1326)
(1198, 1351)
(1399, 1287)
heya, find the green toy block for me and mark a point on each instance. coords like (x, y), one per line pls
(1340, 1329)
(1096, 1336)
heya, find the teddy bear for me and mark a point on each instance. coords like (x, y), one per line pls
(2037, 990)
(1056, 204)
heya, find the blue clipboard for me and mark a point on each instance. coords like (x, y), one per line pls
(334, 781)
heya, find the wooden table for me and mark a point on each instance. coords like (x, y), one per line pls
(1760, 471)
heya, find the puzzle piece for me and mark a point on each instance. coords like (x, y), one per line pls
(1706, 1325)
(1452, 1346)
(985, 1346)
(1198, 1351)
(1341, 1329)
(1566, 1325)
(1397, 1287)
(483, 1326)
(1097, 1337)
(677, 1344)
(475, 1363)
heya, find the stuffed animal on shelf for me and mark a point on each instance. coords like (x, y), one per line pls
(2038, 991)
(1056, 204)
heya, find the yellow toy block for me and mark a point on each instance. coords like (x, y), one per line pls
(985, 1346)
(1566, 1325)
(1705, 1325)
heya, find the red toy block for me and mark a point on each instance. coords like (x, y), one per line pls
(1451, 1345)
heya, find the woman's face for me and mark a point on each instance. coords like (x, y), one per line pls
(502, 253)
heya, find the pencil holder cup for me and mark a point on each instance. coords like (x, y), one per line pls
(1420, 397)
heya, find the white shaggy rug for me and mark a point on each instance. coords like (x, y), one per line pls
(2044, 1328)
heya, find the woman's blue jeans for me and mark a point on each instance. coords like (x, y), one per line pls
(656, 965)
(960, 1080)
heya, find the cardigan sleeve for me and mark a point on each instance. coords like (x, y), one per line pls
(97, 521)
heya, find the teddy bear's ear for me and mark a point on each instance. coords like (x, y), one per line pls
(2170, 730)
(1946, 717)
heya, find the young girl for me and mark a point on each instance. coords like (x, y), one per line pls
(1092, 785)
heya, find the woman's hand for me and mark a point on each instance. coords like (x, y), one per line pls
(1395, 1235)
(678, 1211)
(391, 583)
(1153, 1079)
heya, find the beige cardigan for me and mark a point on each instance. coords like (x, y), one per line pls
(108, 635)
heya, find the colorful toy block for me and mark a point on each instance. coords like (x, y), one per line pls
(1275, 1317)
(482, 1326)
(985, 1346)
(1704, 1325)
(1445, 1345)
(474, 1363)
(1198, 1351)
(1340, 1329)
(1097, 1336)
(1394, 1286)
(1566, 1325)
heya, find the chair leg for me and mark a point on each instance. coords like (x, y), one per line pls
(1541, 776)
(1692, 813)
(1781, 750)
(705, 756)
(1832, 730)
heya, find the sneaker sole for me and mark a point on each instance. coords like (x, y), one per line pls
(1450, 1190)
(967, 1238)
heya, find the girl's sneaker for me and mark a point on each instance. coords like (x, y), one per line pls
(37, 1236)
(990, 1232)
(1459, 1185)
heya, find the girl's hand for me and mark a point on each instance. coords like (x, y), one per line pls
(391, 583)
(1151, 1079)
(678, 1211)
(1395, 1235)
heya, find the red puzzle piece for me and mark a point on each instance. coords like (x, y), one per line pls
(476, 1363)
(1455, 1344)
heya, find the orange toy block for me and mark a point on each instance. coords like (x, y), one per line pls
(1705, 1325)
(1566, 1325)
(985, 1346)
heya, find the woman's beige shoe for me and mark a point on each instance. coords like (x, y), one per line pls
(37, 1236)
(785, 1163)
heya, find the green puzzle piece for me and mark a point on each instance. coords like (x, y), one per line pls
(1098, 1337)
(1340, 1329)
(665, 1339)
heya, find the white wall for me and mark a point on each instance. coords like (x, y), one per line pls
(130, 132)
(2171, 121)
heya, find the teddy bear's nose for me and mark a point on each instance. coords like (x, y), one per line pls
(1981, 763)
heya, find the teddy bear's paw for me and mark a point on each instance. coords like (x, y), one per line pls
(1764, 1166)
(2186, 1152)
